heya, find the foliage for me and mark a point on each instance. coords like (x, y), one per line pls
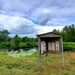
(56, 31)
(5, 45)
(69, 46)
(68, 33)
(16, 42)
(4, 35)
(22, 45)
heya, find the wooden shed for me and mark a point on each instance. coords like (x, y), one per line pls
(50, 43)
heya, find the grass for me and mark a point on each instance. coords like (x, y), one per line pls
(28, 65)
(22, 54)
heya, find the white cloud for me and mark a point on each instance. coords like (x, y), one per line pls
(45, 29)
(23, 27)
(17, 25)
(22, 16)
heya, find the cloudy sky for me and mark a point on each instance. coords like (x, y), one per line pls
(31, 17)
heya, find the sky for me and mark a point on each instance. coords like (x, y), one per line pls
(32, 17)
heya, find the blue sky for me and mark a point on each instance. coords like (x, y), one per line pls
(31, 17)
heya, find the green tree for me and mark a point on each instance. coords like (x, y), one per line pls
(69, 33)
(16, 41)
(25, 39)
(57, 31)
(4, 35)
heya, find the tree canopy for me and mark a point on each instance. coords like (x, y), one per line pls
(68, 33)
(16, 42)
(4, 35)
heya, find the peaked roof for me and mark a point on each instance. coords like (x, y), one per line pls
(49, 33)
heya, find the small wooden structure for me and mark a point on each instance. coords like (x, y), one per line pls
(50, 42)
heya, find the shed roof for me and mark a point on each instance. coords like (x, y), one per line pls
(49, 34)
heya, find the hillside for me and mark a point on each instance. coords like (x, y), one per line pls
(28, 65)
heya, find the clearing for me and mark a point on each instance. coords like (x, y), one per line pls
(28, 65)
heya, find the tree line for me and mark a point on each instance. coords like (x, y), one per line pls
(6, 42)
(16, 42)
(68, 33)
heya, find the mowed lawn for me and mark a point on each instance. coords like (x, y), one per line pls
(28, 65)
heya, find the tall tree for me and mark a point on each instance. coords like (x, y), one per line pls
(4, 35)
(16, 41)
(69, 33)
(56, 31)
(24, 39)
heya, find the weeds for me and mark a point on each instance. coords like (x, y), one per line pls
(28, 65)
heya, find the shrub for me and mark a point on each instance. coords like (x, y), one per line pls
(22, 45)
(5, 45)
(29, 44)
(69, 46)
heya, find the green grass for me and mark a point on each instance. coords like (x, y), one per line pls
(28, 65)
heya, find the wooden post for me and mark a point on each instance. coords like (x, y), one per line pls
(62, 53)
(47, 53)
(39, 52)
(47, 58)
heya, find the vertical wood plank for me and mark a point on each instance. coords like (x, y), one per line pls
(62, 53)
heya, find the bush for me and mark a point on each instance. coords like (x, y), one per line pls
(69, 46)
(29, 44)
(22, 45)
(5, 45)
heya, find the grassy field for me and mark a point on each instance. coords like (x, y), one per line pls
(28, 65)
(21, 54)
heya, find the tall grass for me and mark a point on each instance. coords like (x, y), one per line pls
(29, 65)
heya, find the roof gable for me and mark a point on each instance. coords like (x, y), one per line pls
(49, 34)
